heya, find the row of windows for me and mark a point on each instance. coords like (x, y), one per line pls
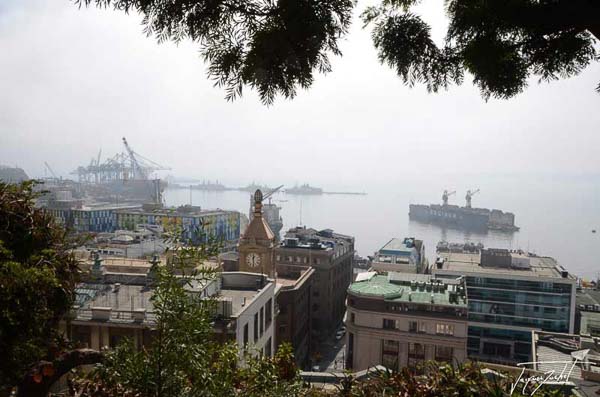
(297, 259)
(519, 285)
(390, 353)
(420, 327)
(262, 321)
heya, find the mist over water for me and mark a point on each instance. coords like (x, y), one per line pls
(556, 214)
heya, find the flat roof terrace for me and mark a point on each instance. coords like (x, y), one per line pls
(466, 263)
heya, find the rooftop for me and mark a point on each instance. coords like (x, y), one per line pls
(398, 246)
(184, 210)
(128, 303)
(465, 263)
(588, 299)
(308, 238)
(415, 288)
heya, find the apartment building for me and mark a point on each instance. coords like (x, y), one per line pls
(399, 320)
(330, 255)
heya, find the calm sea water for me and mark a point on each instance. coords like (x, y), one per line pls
(556, 214)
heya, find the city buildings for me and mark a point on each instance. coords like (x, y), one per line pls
(400, 320)
(330, 255)
(115, 302)
(92, 218)
(139, 243)
(588, 312)
(293, 323)
(257, 248)
(196, 224)
(509, 294)
(401, 255)
(258, 242)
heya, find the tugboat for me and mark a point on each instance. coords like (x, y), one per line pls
(467, 217)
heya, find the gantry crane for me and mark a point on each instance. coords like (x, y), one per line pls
(469, 195)
(446, 195)
(121, 167)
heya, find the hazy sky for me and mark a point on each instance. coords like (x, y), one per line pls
(74, 81)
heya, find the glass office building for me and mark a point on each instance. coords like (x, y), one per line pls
(509, 295)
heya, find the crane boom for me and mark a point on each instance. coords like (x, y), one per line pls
(469, 195)
(272, 192)
(134, 162)
(50, 169)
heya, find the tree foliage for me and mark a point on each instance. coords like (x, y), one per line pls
(276, 46)
(271, 46)
(37, 278)
(183, 358)
(500, 42)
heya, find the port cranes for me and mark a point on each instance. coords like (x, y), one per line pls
(470, 194)
(50, 170)
(271, 193)
(446, 195)
(127, 165)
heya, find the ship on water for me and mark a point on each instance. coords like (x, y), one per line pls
(467, 217)
(304, 189)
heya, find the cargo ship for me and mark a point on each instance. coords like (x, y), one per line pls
(467, 217)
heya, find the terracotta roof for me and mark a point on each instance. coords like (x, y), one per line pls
(259, 229)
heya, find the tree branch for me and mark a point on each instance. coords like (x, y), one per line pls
(33, 386)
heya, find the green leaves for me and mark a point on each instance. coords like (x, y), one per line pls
(404, 43)
(37, 278)
(274, 47)
(501, 43)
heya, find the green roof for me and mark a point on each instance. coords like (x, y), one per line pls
(401, 291)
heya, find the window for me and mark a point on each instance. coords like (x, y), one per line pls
(278, 258)
(255, 327)
(352, 318)
(389, 354)
(269, 313)
(422, 327)
(416, 354)
(268, 348)
(262, 320)
(444, 329)
(412, 326)
(245, 334)
(389, 324)
(443, 353)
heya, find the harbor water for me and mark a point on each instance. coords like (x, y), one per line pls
(556, 214)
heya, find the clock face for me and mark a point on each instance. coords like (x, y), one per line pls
(253, 260)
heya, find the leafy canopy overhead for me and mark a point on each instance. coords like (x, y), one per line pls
(276, 46)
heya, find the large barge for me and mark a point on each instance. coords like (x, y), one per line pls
(476, 219)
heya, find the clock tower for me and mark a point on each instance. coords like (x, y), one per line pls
(257, 243)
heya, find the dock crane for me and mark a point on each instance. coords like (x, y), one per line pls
(446, 195)
(265, 196)
(271, 193)
(138, 170)
(469, 195)
(50, 169)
